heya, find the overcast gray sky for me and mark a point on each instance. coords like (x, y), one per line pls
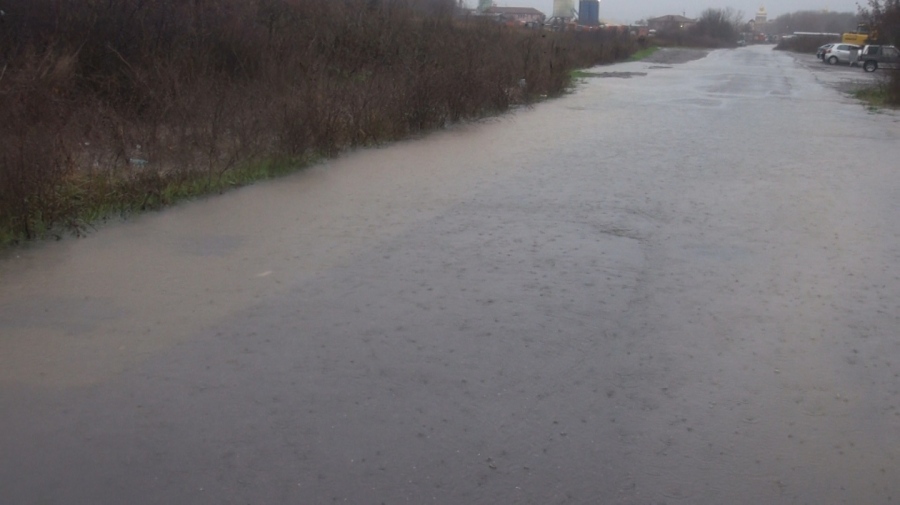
(628, 11)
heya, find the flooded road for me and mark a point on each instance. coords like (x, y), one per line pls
(679, 284)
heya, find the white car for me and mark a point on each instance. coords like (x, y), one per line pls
(841, 53)
(820, 53)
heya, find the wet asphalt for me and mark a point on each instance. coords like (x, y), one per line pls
(678, 284)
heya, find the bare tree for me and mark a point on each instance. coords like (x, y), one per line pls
(719, 24)
(883, 18)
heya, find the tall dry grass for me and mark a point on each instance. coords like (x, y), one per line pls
(112, 106)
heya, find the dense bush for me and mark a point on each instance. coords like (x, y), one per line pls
(108, 106)
(720, 25)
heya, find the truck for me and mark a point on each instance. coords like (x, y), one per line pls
(858, 37)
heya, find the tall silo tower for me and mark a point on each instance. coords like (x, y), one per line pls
(589, 12)
(563, 8)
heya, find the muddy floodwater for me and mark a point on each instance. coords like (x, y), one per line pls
(678, 284)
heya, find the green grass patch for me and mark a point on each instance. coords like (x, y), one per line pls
(875, 97)
(581, 74)
(643, 53)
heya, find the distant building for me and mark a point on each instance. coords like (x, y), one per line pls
(589, 12)
(761, 16)
(670, 23)
(518, 14)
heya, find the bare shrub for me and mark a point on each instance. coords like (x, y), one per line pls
(35, 146)
(719, 26)
(113, 106)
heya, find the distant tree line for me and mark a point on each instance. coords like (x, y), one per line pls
(812, 21)
(714, 28)
(721, 25)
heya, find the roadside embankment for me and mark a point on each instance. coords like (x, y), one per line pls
(110, 108)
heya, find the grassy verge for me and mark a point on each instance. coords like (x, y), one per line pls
(882, 95)
(643, 53)
(577, 75)
(91, 198)
(874, 97)
(109, 108)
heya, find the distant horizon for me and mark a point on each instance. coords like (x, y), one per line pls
(622, 11)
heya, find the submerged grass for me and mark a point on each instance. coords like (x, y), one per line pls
(95, 198)
(581, 74)
(643, 53)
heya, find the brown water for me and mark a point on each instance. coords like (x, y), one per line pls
(682, 286)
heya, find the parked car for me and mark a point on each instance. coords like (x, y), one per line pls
(841, 53)
(874, 57)
(820, 53)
